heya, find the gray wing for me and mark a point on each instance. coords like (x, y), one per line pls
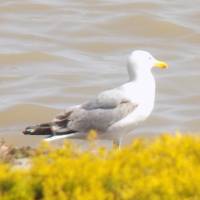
(98, 114)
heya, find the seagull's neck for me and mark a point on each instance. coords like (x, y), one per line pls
(131, 72)
(136, 73)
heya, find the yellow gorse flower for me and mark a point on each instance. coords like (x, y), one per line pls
(167, 167)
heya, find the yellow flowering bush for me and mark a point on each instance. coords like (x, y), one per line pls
(166, 167)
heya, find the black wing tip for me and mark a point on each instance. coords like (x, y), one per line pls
(43, 129)
(27, 131)
(46, 129)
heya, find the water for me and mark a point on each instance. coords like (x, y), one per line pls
(54, 54)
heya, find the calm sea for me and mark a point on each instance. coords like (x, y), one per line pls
(54, 54)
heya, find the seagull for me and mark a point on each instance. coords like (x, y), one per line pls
(113, 113)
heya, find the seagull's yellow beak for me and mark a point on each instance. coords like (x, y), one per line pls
(160, 64)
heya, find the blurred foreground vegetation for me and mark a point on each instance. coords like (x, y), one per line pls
(166, 167)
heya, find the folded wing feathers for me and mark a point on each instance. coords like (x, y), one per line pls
(82, 119)
(99, 114)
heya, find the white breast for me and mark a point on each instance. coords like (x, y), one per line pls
(141, 93)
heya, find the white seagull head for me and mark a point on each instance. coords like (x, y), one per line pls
(141, 61)
(144, 59)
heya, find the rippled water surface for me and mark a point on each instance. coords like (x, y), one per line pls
(54, 54)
